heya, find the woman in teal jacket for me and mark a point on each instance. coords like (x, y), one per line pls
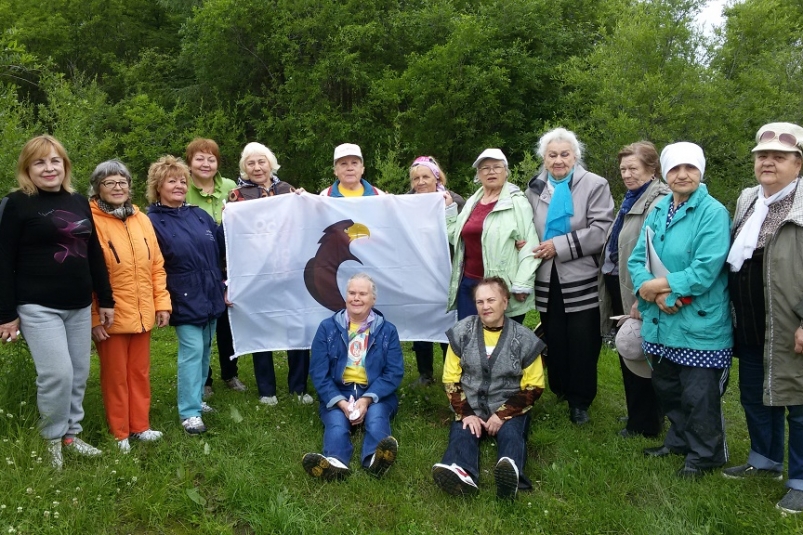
(687, 326)
(484, 236)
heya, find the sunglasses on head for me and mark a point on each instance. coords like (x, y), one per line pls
(788, 140)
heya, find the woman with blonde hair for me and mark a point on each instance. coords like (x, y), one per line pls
(187, 239)
(50, 264)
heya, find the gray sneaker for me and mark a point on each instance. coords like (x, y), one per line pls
(235, 384)
(748, 471)
(80, 447)
(792, 503)
(56, 457)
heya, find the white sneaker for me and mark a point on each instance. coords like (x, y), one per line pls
(123, 446)
(206, 408)
(305, 399)
(149, 435)
(326, 468)
(269, 400)
(453, 479)
(194, 425)
(80, 447)
(56, 458)
(506, 475)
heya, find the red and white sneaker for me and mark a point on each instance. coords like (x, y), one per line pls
(453, 480)
(506, 475)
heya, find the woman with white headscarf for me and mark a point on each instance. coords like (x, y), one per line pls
(764, 261)
(678, 273)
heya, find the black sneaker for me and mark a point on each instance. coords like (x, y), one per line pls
(326, 468)
(748, 471)
(507, 479)
(384, 456)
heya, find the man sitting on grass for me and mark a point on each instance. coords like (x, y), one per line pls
(356, 367)
(493, 375)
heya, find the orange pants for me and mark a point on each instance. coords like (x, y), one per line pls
(125, 361)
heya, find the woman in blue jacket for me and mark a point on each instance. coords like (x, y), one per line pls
(356, 367)
(687, 326)
(187, 239)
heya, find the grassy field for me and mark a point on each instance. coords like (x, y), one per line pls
(244, 476)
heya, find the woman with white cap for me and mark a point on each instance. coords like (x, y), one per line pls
(677, 271)
(764, 260)
(484, 236)
(349, 168)
(573, 210)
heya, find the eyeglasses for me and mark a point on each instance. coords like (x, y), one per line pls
(785, 139)
(491, 168)
(122, 184)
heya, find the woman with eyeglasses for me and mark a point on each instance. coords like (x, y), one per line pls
(50, 264)
(484, 237)
(678, 273)
(573, 211)
(426, 176)
(767, 298)
(137, 276)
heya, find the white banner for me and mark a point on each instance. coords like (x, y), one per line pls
(289, 258)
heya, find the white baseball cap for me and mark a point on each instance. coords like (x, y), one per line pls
(347, 149)
(494, 154)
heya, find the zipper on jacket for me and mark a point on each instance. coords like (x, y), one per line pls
(147, 247)
(114, 251)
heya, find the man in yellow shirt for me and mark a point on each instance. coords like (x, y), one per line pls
(493, 375)
(356, 367)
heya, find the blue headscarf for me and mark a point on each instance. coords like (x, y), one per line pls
(561, 208)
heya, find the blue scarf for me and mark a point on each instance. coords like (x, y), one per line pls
(630, 199)
(561, 208)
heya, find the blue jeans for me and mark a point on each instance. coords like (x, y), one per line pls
(511, 441)
(766, 424)
(337, 429)
(194, 347)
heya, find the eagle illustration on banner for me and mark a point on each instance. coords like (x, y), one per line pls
(320, 273)
(289, 257)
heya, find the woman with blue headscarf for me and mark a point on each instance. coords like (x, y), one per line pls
(572, 212)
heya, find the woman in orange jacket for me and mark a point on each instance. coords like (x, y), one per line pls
(136, 272)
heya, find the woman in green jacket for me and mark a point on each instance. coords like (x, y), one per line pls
(484, 236)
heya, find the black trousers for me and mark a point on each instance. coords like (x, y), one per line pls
(644, 413)
(574, 344)
(225, 349)
(424, 354)
(691, 399)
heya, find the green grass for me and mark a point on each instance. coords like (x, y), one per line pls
(244, 476)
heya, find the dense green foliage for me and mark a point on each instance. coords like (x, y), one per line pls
(136, 79)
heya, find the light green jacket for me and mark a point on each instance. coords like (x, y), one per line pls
(511, 220)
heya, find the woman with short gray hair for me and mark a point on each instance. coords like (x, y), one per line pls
(137, 276)
(572, 212)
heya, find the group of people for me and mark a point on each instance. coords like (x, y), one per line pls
(688, 291)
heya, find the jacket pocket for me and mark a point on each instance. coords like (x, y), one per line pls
(114, 251)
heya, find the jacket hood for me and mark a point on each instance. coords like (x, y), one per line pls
(340, 319)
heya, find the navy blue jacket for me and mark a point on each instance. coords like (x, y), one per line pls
(384, 363)
(187, 238)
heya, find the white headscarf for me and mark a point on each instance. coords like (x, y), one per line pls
(682, 152)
